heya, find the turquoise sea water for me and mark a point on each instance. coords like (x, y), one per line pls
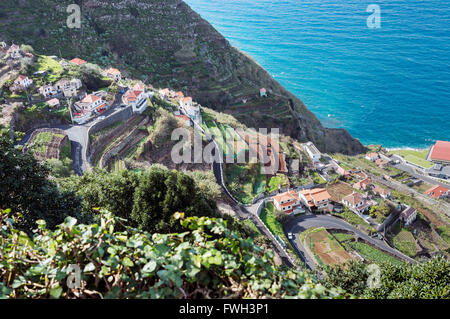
(389, 86)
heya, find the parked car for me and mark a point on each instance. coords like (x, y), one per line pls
(290, 236)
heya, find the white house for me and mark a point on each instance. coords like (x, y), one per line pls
(185, 102)
(14, 52)
(48, 91)
(372, 157)
(22, 82)
(288, 202)
(194, 113)
(356, 202)
(318, 198)
(53, 102)
(408, 216)
(312, 151)
(89, 105)
(136, 99)
(114, 74)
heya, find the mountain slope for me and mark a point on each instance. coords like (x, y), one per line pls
(166, 43)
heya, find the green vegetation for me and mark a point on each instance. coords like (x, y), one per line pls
(268, 217)
(428, 280)
(371, 253)
(95, 136)
(418, 161)
(403, 240)
(206, 260)
(343, 236)
(405, 152)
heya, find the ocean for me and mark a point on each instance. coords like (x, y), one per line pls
(387, 85)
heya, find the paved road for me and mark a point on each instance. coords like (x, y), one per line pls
(296, 225)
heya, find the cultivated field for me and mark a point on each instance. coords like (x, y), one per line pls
(325, 248)
(339, 190)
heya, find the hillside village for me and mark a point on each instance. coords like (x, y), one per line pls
(394, 206)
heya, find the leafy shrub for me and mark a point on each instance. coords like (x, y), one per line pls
(207, 260)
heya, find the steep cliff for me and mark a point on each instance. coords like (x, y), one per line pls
(167, 44)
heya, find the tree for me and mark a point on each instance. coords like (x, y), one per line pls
(25, 188)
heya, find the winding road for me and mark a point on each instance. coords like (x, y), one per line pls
(297, 225)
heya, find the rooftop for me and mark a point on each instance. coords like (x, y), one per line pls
(441, 151)
(437, 191)
(78, 61)
(354, 198)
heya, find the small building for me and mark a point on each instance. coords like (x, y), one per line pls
(356, 202)
(53, 102)
(312, 151)
(21, 83)
(384, 193)
(438, 192)
(440, 153)
(48, 91)
(179, 95)
(362, 185)
(185, 102)
(372, 157)
(78, 61)
(408, 216)
(14, 52)
(164, 94)
(114, 74)
(136, 99)
(288, 202)
(381, 163)
(317, 198)
(194, 113)
(342, 172)
(90, 104)
(263, 92)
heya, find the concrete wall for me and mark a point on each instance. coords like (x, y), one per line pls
(122, 115)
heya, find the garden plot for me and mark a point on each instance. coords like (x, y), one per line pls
(325, 248)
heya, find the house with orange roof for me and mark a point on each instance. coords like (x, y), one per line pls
(91, 104)
(357, 202)
(381, 191)
(381, 163)
(137, 99)
(21, 83)
(53, 102)
(440, 153)
(139, 86)
(114, 74)
(179, 95)
(78, 61)
(288, 202)
(317, 198)
(438, 192)
(362, 185)
(372, 157)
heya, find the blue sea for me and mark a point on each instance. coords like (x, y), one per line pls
(388, 85)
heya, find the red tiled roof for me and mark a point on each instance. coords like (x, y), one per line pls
(437, 191)
(53, 102)
(132, 95)
(91, 98)
(183, 117)
(354, 198)
(441, 151)
(113, 71)
(21, 78)
(290, 196)
(78, 61)
(139, 86)
(317, 194)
